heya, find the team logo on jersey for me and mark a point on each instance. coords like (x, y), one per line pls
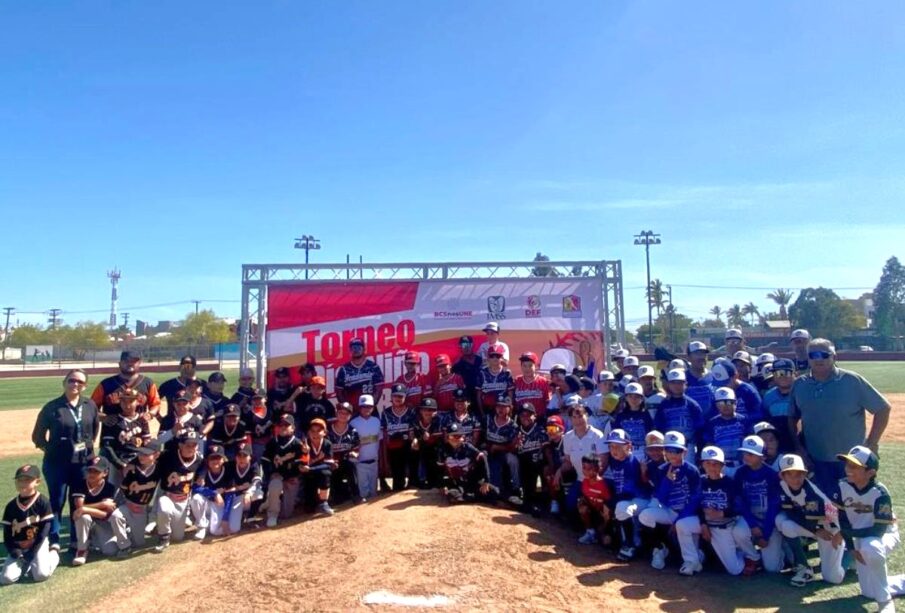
(571, 306)
(532, 306)
(496, 307)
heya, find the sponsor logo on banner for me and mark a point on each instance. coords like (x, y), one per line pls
(496, 307)
(533, 306)
(571, 306)
(453, 314)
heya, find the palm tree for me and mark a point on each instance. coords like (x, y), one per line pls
(656, 296)
(734, 315)
(782, 297)
(716, 312)
(752, 310)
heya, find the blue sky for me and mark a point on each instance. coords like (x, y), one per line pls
(180, 140)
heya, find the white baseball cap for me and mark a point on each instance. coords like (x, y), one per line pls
(677, 363)
(646, 371)
(634, 388)
(753, 444)
(722, 372)
(861, 456)
(742, 356)
(800, 333)
(763, 426)
(733, 333)
(675, 440)
(713, 453)
(491, 326)
(694, 346)
(724, 393)
(765, 358)
(790, 461)
(631, 361)
(366, 400)
(621, 354)
(654, 438)
(605, 375)
(676, 374)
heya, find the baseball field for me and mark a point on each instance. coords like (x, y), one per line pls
(411, 550)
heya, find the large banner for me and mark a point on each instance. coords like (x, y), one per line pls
(557, 318)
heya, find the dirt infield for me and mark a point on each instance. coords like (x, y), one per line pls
(15, 435)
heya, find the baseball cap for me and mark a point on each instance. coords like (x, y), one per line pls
(454, 430)
(149, 448)
(724, 394)
(625, 380)
(181, 396)
(492, 327)
(216, 450)
(555, 421)
(631, 361)
(398, 389)
(28, 471)
(742, 356)
(558, 368)
(344, 406)
(570, 401)
(605, 375)
(466, 339)
(587, 383)
(791, 461)
(460, 395)
(733, 333)
(527, 406)
(678, 363)
(412, 356)
(654, 438)
(247, 373)
(231, 409)
(317, 421)
(442, 359)
(356, 341)
(529, 356)
(713, 453)
(98, 463)
(800, 333)
(674, 440)
(188, 436)
(722, 372)
(286, 420)
(621, 354)
(783, 364)
(188, 359)
(765, 358)
(634, 388)
(366, 400)
(428, 403)
(194, 382)
(243, 448)
(259, 393)
(504, 400)
(496, 349)
(695, 346)
(617, 436)
(282, 371)
(753, 444)
(318, 381)
(763, 426)
(646, 371)
(861, 456)
(128, 393)
(676, 374)
(129, 354)
(217, 377)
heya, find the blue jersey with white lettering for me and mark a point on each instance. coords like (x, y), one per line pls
(727, 433)
(719, 495)
(679, 488)
(701, 390)
(623, 477)
(748, 403)
(636, 425)
(682, 415)
(757, 496)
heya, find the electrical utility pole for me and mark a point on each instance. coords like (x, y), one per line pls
(126, 320)
(8, 311)
(197, 302)
(54, 318)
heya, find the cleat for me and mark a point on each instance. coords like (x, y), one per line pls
(690, 568)
(626, 554)
(803, 576)
(658, 558)
(271, 521)
(81, 556)
(324, 509)
(200, 533)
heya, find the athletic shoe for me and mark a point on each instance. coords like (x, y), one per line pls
(658, 558)
(751, 567)
(188, 521)
(200, 533)
(271, 521)
(162, 545)
(324, 509)
(886, 607)
(625, 554)
(690, 568)
(554, 508)
(122, 554)
(588, 538)
(151, 527)
(803, 576)
(515, 500)
(55, 547)
(81, 556)
(454, 495)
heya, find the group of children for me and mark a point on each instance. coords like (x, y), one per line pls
(649, 472)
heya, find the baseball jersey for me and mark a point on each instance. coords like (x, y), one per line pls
(397, 427)
(531, 443)
(278, 396)
(106, 492)
(343, 442)
(249, 477)
(24, 520)
(806, 507)
(260, 425)
(243, 397)
(106, 394)
(169, 388)
(776, 411)
(748, 403)
(867, 512)
(319, 452)
(468, 424)
(636, 425)
(463, 463)
(624, 478)
(139, 483)
(219, 481)
(679, 489)
(283, 456)
(496, 433)
(557, 452)
(719, 495)
(369, 434)
(491, 385)
(203, 408)
(757, 496)
(308, 407)
(417, 386)
(433, 428)
(595, 492)
(682, 415)
(123, 438)
(189, 421)
(218, 403)
(469, 370)
(353, 381)
(176, 473)
(576, 447)
(700, 390)
(230, 439)
(444, 387)
(537, 392)
(727, 433)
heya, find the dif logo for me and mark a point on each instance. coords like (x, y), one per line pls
(532, 308)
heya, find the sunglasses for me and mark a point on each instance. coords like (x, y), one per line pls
(75, 381)
(494, 356)
(819, 355)
(782, 373)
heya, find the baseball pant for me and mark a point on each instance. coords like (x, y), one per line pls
(872, 575)
(688, 529)
(529, 473)
(288, 489)
(500, 462)
(732, 544)
(628, 510)
(366, 476)
(343, 483)
(830, 557)
(427, 470)
(41, 566)
(96, 533)
(214, 518)
(402, 466)
(129, 525)
(171, 517)
(772, 555)
(257, 451)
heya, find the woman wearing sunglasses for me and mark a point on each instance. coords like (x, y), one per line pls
(65, 431)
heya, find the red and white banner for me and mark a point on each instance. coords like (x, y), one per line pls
(557, 318)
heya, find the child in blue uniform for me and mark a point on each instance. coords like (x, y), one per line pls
(757, 497)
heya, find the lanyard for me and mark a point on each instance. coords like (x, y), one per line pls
(77, 416)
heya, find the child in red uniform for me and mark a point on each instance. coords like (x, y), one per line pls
(531, 386)
(592, 508)
(417, 385)
(445, 384)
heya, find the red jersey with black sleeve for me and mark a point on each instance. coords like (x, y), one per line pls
(444, 387)
(536, 391)
(417, 387)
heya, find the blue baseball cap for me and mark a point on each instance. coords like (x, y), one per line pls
(618, 437)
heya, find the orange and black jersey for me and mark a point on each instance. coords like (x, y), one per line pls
(106, 492)
(250, 476)
(176, 473)
(25, 522)
(106, 394)
(230, 439)
(223, 480)
(123, 437)
(284, 456)
(139, 483)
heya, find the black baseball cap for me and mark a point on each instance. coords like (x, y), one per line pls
(243, 448)
(28, 471)
(460, 395)
(259, 393)
(232, 409)
(189, 436)
(399, 390)
(194, 382)
(356, 341)
(181, 396)
(149, 448)
(282, 371)
(453, 430)
(286, 420)
(527, 406)
(215, 450)
(98, 463)
(429, 404)
(504, 399)
(466, 339)
(129, 354)
(217, 377)
(344, 406)
(188, 358)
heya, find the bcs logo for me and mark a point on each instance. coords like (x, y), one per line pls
(571, 306)
(533, 309)
(496, 307)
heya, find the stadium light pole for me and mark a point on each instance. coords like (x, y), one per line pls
(307, 243)
(648, 238)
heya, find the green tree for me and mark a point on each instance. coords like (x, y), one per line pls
(202, 327)
(735, 316)
(28, 334)
(676, 337)
(889, 302)
(824, 313)
(782, 297)
(86, 335)
(543, 271)
(656, 295)
(716, 311)
(751, 311)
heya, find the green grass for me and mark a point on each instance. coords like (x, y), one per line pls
(888, 377)
(34, 392)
